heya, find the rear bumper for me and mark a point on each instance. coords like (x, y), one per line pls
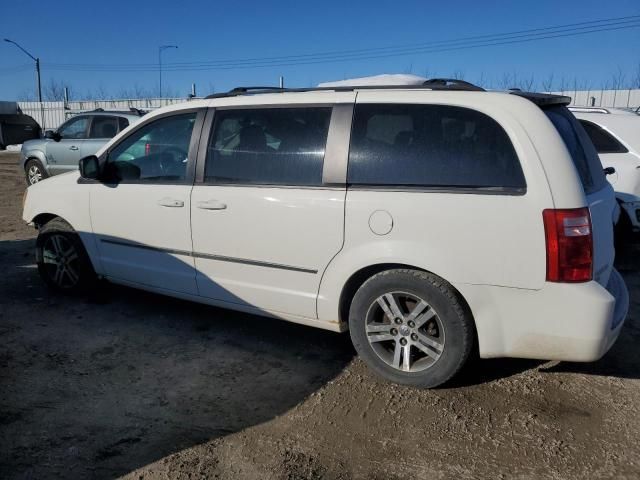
(571, 322)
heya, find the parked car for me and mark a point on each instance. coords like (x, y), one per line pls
(615, 132)
(425, 220)
(81, 135)
(16, 129)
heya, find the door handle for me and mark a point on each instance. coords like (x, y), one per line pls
(170, 202)
(212, 205)
(73, 147)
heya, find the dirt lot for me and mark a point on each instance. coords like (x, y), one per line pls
(130, 383)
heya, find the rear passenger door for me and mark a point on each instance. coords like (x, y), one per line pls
(267, 212)
(102, 129)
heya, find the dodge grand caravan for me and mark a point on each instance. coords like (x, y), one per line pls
(426, 220)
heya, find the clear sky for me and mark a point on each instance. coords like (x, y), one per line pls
(128, 33)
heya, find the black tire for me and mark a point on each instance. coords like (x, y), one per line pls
(451, 327)
(623, 231)
(62, 260)
(33, 164)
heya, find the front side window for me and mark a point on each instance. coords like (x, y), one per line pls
(602, 140)
(268, 146)
(157, 151)
(74, 129)
(431, 146)
(103, 127)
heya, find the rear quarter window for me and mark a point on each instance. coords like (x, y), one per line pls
(583, 153)
(431, 146)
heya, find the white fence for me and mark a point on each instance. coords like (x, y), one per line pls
(604, 98)
(55, 113)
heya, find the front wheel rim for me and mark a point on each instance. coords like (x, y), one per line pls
(34, 174)
(405, 332)
(61, 261)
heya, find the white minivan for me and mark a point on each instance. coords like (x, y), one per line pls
(429, 220)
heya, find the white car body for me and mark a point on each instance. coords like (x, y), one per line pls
(624, 126)
(291, 252)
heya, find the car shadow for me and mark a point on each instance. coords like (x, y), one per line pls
(99, 387)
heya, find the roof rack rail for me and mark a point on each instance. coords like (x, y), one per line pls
(431, 84)
(234, 92)
(451, 84)
(590, 109)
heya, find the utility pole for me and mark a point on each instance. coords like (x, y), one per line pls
(37, 60)
(162, 48)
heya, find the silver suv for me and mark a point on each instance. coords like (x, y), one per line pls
(60, 150)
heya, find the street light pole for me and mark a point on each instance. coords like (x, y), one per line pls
(162, 48)
(37, 60)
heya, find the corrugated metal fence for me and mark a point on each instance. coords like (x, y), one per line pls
(604, 98)
(55, 113)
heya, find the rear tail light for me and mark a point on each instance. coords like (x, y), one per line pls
(147, 149)
(569, 245)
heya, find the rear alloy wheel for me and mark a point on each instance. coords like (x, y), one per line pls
(62, 260)
(411, 327)
(35, 172)
(405, 332)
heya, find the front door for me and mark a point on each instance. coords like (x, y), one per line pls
(141, 210)
(63, 155)
(265, 225)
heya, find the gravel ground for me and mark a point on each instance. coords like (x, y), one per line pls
(134, 384)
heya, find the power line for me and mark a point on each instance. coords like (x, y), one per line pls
(232, 66)
(464, 43)
(384, 51)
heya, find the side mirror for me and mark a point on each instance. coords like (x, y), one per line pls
(52, 135)
(609, 171)
(89, 167)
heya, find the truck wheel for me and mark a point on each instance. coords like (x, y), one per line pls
(34, 171)
(62, 261)
(411, 327)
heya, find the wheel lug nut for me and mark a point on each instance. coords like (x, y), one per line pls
(403, 341)
(394, 332)
(398, 320)
(414, 337)
(411, 324)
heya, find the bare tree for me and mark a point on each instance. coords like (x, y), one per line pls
(527, 84)
(458, 75)
(136, 91)
(564, 85)
(635, 81)
(547, 84)
(26, 95)
(507, 81)
(98, 92)
(482, 81)
(617, 79)
(54, 90)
